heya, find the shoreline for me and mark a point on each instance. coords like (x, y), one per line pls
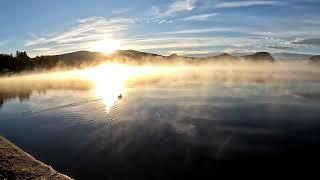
(17, 164)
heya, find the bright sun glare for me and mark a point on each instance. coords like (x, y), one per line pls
(109, 81)
(107, 46)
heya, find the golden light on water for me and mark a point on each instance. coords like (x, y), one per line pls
(109, 82)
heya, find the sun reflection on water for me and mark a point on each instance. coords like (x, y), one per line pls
(109, 83)
(110, 80)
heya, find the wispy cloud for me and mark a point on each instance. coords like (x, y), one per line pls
(193, 42)
(164, 21)
(189, 52)
(41, 49)
(121, 11)
(86, 32)
(181, 5)
(200, 17)
(175, 7)
(198, 31)
(234, 4)
(312, 42)
(287, 32)
(189, 41)
(282, 44)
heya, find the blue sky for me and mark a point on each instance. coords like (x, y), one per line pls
(160, 26)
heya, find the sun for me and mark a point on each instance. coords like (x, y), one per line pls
(107, 46)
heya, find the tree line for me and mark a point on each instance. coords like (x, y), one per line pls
(22, 62)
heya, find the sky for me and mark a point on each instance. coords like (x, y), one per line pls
(160, 26)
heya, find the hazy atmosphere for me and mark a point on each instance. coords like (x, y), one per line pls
(167, 89)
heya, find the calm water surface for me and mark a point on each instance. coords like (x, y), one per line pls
(185, 123)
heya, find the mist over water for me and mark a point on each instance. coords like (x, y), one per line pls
(185, 121)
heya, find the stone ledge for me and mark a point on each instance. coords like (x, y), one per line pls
(17, 164)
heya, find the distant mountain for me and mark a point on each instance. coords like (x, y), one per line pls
(277, 56)
(134, 57)
(79, 55)
(315, 59)
(173, 56)
(134, 54)
(259, 57)
(291, 56)
(22, 61)
(225, 56)
(220, 58)
(203, 55)
(73, 59)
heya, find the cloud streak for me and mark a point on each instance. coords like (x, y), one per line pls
(181, 5)
(198, 31)
(200, 17)
(283, 44)
(121, 11)
(86, 32)
(279, 47)
(193, 42)
(175, 7)
(235, 4)
(312, 42)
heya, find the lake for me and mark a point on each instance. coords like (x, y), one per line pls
(159, 122)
